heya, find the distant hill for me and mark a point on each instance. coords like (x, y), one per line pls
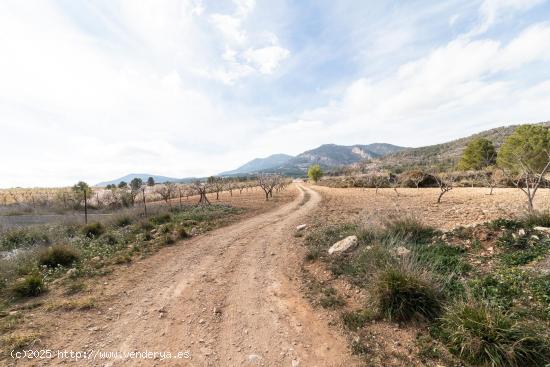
(327, 155)
(445, 154)
(143, 176)
(332, 155)
(260, 164)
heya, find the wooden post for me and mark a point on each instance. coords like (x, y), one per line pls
(144, 203)
(85, 208)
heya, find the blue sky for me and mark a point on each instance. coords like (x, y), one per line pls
(94, 90)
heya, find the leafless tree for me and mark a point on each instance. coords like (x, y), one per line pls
(491, 176)
(267, 183)
(201, 188)
(528, 180)
(393, 181)
(166, 191)
(445, 183)
(217, 184)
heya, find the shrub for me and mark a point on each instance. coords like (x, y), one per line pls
(30, 286)
(23, 237)
(403, 294)
(408, 228)
(110, 239)
(182, 233)
(167, 228)
(505, 224)
(56, 255)
(93, 230)
(161, 218)
(481, 334)
(146, 225)
(123, 221)
(169, 240)
(537, 218)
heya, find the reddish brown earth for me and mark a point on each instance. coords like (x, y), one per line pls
(231, 297)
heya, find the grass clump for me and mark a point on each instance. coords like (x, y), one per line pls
(404, 294)
(504, 223)
(331, 299)
(23, 237)
(537, 218)
(74, 288)
(161, 218)
(123, 221)
(58, 255)
(182, 233)
(93, 230)
(484, 335)
(408, 228)
(17, 342)
(30, 286)
(355, 320)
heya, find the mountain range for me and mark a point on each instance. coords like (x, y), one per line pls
(332, 156)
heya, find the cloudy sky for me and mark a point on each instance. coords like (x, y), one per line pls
(93, 90)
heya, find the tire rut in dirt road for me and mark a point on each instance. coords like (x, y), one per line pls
(230, 297)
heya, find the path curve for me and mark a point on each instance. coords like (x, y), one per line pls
(230, 297)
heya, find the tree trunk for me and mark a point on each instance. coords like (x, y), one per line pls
(530, 203)
(440, 196)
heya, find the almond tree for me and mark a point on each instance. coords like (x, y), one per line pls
(393, 181)
(267, 183)
(217, 184)
(201, 189)
(445, 183)
(166, 191)
(525, 158)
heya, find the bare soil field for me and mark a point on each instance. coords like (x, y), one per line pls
(459, 207)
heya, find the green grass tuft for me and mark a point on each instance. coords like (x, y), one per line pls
(30, 286)
(58, 255)
(93, 230)
(484, 335)
(404, 294)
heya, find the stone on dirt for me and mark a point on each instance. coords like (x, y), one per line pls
(301, 227)
(344, 245)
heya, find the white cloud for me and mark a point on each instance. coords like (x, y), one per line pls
(492, 11)
(266, 59)
(77, 109)
(245, 53)
(455, 88)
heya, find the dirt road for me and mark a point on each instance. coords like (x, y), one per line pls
(230, 298)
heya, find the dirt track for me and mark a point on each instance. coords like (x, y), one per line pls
(230, 298)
